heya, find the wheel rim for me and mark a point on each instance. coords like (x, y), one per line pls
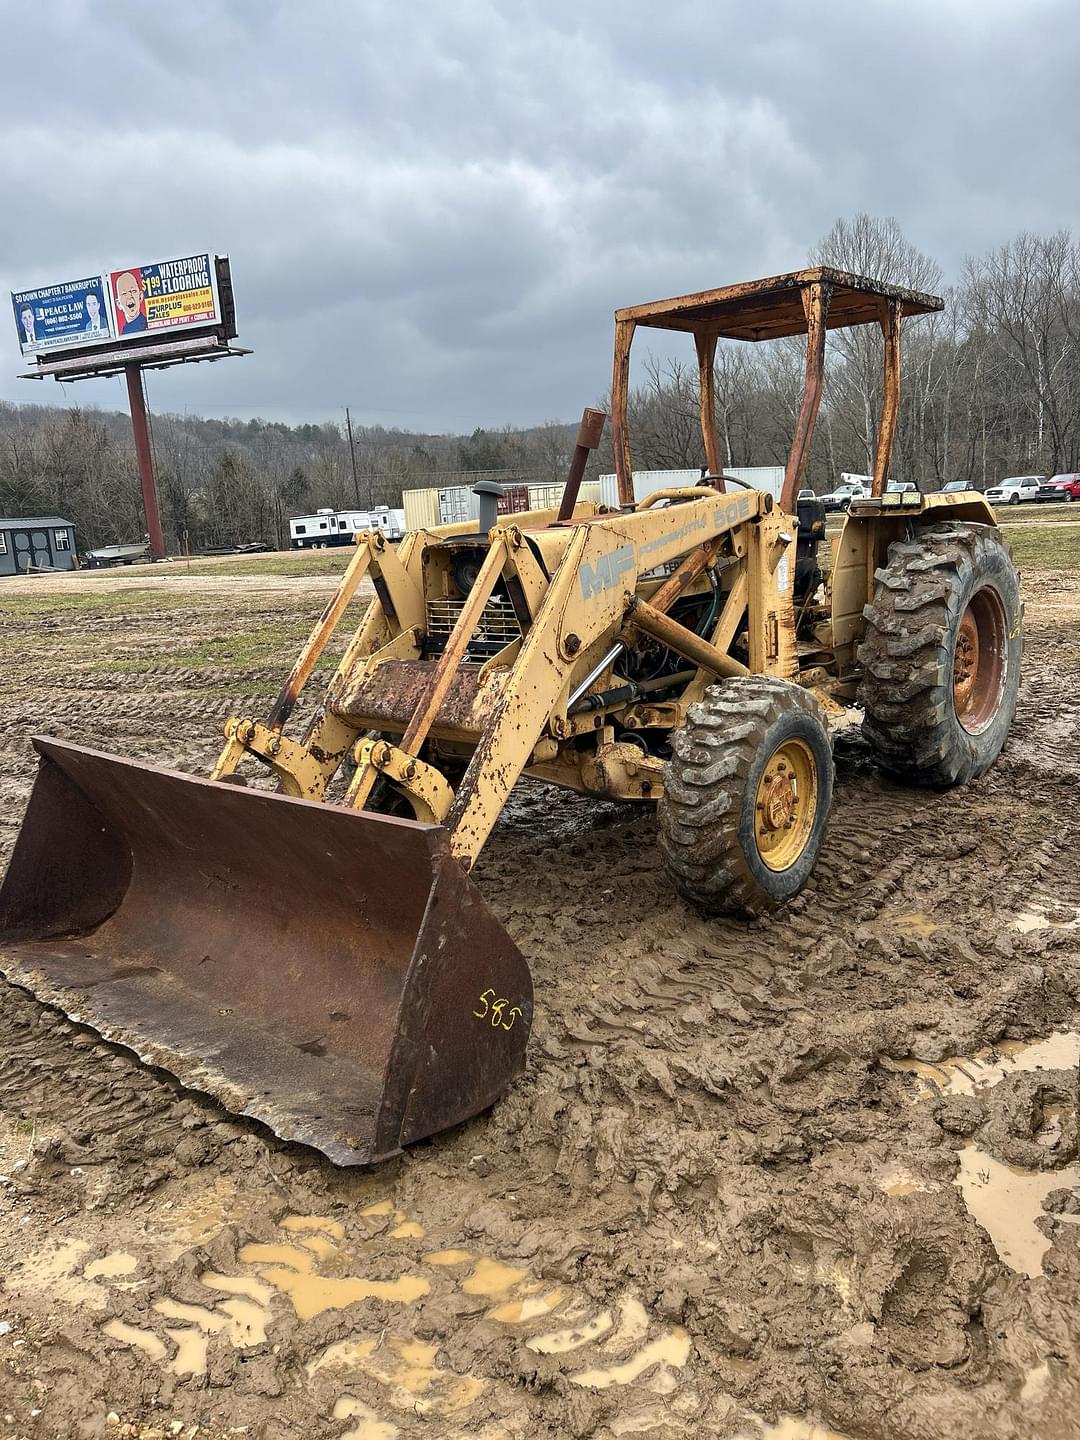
(786, 804)
(979, 661)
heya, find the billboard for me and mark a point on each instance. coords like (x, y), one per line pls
(162, 298)
(164, 295)
(62, 317)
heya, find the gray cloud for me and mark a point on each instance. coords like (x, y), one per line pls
(432, 210)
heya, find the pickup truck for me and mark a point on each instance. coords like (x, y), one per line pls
(1060, 487)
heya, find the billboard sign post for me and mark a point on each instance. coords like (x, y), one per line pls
(141, 317)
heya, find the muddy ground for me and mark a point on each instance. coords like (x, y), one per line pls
(808, 1176)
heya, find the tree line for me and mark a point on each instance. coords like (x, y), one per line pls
(989, 387)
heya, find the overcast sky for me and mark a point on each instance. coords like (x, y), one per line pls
(432, 209)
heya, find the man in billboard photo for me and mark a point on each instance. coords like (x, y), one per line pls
(129, 301)
(95, 322)
(26, 315)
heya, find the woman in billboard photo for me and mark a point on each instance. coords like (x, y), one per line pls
(130, 303)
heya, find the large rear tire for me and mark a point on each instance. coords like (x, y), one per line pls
(941, 654)
(746, 796)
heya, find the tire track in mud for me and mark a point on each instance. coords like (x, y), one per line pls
(706, 1125)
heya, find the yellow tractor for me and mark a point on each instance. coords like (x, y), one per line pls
(298, 935)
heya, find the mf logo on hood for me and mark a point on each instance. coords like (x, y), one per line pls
(608, 571)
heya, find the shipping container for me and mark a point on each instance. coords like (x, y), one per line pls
(421, 508)
(761, 477)
(459, 504)
(549, 497)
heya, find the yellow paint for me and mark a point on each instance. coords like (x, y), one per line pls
(305, 1223)
(144, 1340)
(516, 1312)
(408, 1230)
(448, 1257)
(290, 1271)
(190, 1357)
(381, 1207)
(370, 1426)
(111, 1266)
(670, 1350)
(416, 1385)
(491, 1277)
(559, 1342)
(1007, 1201)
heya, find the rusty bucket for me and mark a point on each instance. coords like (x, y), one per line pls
(335, 975)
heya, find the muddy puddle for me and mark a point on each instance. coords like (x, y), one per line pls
(810, 1178)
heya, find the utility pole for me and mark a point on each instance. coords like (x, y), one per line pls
(352, 456)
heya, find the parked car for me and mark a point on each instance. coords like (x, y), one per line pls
(845, 492)
(1061, 487)
(954, 487)
(1015, 489)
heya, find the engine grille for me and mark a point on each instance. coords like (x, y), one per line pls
(498, 626)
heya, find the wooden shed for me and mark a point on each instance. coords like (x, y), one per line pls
(36, 542)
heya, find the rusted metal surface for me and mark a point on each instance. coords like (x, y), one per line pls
(316, 969)
(683, 641)
(620, 394)
(817, 301)
(770, 308)
(589, 436)
(891, 320)
(387, 697)
(706, 356)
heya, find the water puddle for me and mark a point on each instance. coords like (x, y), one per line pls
(491, 1277)
(899, 1181)
(1007, 1201)
(915, 922)
(416, 1384)
(370, 1426)
(144, 1340)
(963, 1075)
(792, 1427)
(448, 1257)
(1038, 918)
(110, 1267)
(573, 1337)
(292, 1271)
(517, 1312)
(667, 1352)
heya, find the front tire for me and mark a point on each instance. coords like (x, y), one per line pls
(941, 655)
(746, 796)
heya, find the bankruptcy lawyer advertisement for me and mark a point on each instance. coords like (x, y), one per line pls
(62, 317)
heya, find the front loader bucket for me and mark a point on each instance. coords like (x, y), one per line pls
(333, 974)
